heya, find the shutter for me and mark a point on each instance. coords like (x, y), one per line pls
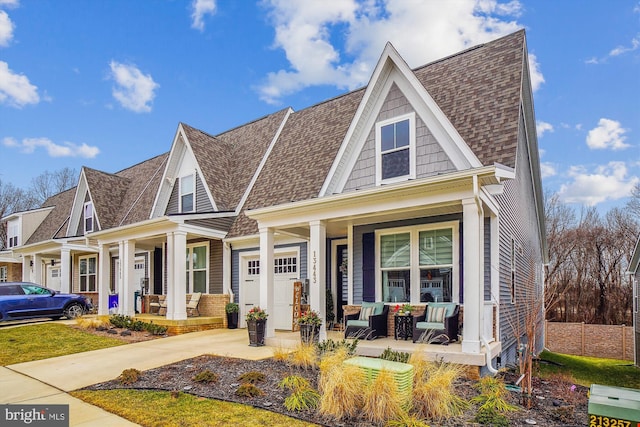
(368, 267)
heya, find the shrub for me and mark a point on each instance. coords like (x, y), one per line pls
(281, 354)
(303, 396)
(248, 390)
(492, 396)
(137, 325)
(89, 322)
(206, 377)
(395, 356)
(341, 386)
(126, 322)
(120, 320)
(231, 307)
(304, 356)
(489, 416)
(382, 400)
(154, 329)
(330, 345)
(434, 396)
(252, 377)
(129, 376)
(406, 420)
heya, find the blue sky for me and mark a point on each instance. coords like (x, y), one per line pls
(104, 84)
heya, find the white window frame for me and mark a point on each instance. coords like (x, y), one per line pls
(3, 274)
(13, 233)
(191, 270)
(414, 268)
(186, 193)
(88, 274)
(412, 148)
(88, 219)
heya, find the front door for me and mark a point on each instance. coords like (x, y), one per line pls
(53, 277)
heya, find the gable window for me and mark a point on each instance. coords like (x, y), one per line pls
(88, 274)
(3, 273)
(12, 233)
(395, 149)
(88, 217)
(187, 185)
(416, 264)
(197, 267)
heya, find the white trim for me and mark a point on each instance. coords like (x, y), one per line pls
(414, 232)
(88, 274)
(189, 267)
(86, 205)
(412, 148)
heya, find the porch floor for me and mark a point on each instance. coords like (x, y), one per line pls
(374, 348)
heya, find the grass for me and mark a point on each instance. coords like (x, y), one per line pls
(590, 370)
(167, 409)
(42, 341)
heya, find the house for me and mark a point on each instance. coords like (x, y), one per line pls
(423, 185)
(634, 273)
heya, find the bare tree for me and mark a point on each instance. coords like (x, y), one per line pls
(49, 183)
(634, 201)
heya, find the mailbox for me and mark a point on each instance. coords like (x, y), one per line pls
(613, 406)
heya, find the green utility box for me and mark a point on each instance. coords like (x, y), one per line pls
(613, 406)
(402, 373)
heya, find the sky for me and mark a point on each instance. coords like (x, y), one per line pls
(104, 84)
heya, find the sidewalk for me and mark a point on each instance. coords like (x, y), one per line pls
(47, 381)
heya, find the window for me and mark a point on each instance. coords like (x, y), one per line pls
(3, 274)
(187, 193)
(253, 267)
(12, 233)
(88, 217)
(285, 265)
(88, 274)
(395, 142)
(197, 268)
(416, 264)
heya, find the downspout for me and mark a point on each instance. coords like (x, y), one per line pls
(484, 340)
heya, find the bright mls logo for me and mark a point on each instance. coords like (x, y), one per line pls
(34, 415)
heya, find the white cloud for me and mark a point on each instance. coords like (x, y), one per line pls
(421, 31)
(6, 29)
(135, 91)
(608, 182)
(67, 149)
(634, 44)
(15, 89)
(9, 3)
(536, 75)
(547, 169)
(200, 9)
(608, 134)
(542, 128)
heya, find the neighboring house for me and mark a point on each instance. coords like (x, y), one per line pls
(634, 272)
(426, 181)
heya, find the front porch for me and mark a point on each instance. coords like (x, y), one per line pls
(190, 324)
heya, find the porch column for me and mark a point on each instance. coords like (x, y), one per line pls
(473, 250)
(317, 268)
(177, 273)
(266, 277)
(226, 270)
(26, 267)
(65, 270)
(127, 261)
(36, 275)
(350, 264)
(495, 273)
(104, 270)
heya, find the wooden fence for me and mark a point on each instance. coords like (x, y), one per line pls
(580, 339)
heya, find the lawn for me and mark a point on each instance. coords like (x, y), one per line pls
(591, 370)
(163, 408)
(42, 341)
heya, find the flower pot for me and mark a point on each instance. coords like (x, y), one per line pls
(256, 330)
(232, 320)
(309, 334)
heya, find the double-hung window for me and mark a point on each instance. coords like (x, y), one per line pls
(12, 233)
(395, 149)
(197, 267)
(416, 264)
(187, 193)
(88, 217)
(3, 273)
(88, 274)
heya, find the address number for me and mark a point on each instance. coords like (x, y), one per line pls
(600, 421)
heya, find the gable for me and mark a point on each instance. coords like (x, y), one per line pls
(430, 158)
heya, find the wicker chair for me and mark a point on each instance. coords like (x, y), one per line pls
(438, 324)
(368, 327)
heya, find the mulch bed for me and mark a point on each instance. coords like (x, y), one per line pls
(555, 403)
(121, 334)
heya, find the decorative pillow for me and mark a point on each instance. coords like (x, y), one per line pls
(365, 312)
(436, 314)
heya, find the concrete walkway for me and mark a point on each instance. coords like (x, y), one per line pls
(48, 381)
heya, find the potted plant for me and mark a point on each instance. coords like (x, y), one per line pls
(403, 310)
(256, 324)
(310, 323)
(232, 310)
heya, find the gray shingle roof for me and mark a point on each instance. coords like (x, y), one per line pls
(478, 90)
(55, 224)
